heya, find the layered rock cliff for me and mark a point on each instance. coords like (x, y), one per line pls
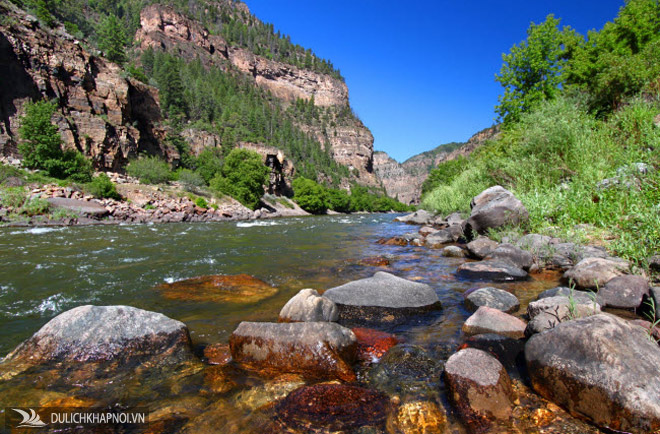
(404, 180)
(102, 113)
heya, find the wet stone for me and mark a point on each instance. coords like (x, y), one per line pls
(406, 370)
(492, 297)
(373, 344)
(489, 320)
(240, 288)
(492, 269)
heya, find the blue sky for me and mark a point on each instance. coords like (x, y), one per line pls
(421, 73)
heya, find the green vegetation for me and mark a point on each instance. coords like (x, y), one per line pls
(191, 181)
(150, 170)
(112, 39)
(310, 195)
(19, 203)
(102, 187)
(555, 152)
(242, 177)
(41, 146)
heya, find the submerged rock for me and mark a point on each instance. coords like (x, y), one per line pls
(602, 368)
(493, 269)
(591, 273)
(373, 344)
(479, 388)
(90, 208)
(439, 239)
(268, 394)
(240, 288)
(217, 354)
(489, 320)
(332, 407)
(394, 241)
(103, 333)
(406, 370)
(307, 306)
(374, 261)
(315, 350)
(420, 417)
(381, 299)
(493, 208)
(492, 297)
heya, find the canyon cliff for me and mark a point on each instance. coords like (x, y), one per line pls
(404, 180)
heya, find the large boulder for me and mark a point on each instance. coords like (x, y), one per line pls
(625, 292)
(381, 299)
(421, 217)
(315, 350)
(602, 368)
(492, 297)
(508, 252)
(439, 239)
(508, 351)
(548, 312)
(479, 388)
(493, 208)
(591, 273)
(89, 208)
(308, 306)
(489, 320)
(106, 333)
(481, 247)
(492, 269)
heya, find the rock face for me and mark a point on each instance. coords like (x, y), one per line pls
(315, 350)
(489, 320)
(106, 333)
(492, 297)
(591, 273)
(332, 408)
(625, 292)
(493, 208)
(106, 116)
(383, 298)
(602, 368)
(480, 388)
(307, 306)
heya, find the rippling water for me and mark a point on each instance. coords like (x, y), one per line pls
(46, 271)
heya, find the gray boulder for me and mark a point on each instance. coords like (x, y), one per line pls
(509, 351)
(382, 298)
(493, 208)
(439, 238)
(489, 320)
(421, 217)
(479, 388)
(519, 257)
(89, 208)
(315, 350)
(492, 269)
(492, 297)
(601, 368)
(591, 273)
(625, 292)
(481, 247)
(308, 306)
(453, 252)
(548, 312)
(106, 333)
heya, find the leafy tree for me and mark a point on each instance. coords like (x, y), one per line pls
(150, 170)
(242, 177)
(112, 39)
(103, 187)
(41, 146)
(531, 70)
(310, 195)
(339, 200)
(209, 163)
(444, 174)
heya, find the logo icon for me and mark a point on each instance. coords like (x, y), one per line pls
(30, 420)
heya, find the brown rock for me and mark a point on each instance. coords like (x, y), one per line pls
(479, 388)
(421, 417)
(240, 288)
(394, 241)
(217, 354)
(624, 292)
(490, 320)
(373, 344)
(591, 273)
(332, 407)
(375, 261)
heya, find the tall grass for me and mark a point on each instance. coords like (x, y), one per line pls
(553, 161)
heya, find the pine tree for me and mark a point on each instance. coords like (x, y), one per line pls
(112, 39)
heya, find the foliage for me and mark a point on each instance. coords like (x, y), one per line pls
(444, 174)
(338, 200)
(19, 202)
(112, 39)
(7, 171)
(242, 177)
(150, 170)
(209, 164)
(41, 146)
(191, 181)
(311, 196)
(531, 70)
(103, 187)
(201, 202)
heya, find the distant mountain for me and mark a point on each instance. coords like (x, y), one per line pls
(404, 180)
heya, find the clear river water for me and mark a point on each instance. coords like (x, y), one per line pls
(45, 271)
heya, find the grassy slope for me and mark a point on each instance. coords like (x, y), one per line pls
(553, 161)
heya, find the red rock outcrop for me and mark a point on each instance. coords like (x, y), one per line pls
(108, 117)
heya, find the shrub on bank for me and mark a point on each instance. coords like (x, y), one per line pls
(310, 195)
(102, 187)
(150, 170)
(242, 177)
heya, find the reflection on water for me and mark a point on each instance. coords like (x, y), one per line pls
(48, 271)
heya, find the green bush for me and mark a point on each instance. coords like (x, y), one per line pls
(242, 177)
(191, 181)
(201, 202)
(36, 206)
(41, 146)
(13, 197)
(209, 164)
(103, 187)
(338, 200)
(7, 171)
(311, 196)
(150, 170)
